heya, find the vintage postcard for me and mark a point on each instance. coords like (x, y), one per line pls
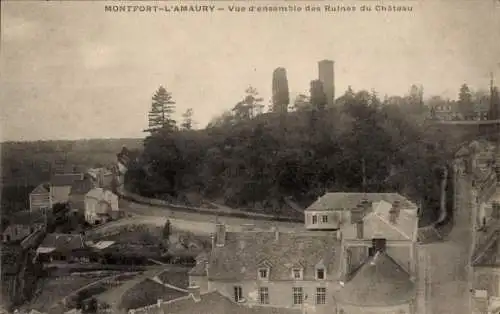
(274, 157)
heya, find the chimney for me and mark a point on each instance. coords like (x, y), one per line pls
(357, 219)
(159, 302)
(394, 212)
(357, 214)
(338, 233)
(367, 205)
(212, 239)
(220, 234)
(194, 292)
(276, 234)
(379, 245)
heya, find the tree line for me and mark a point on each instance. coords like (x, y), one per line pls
(254, 159)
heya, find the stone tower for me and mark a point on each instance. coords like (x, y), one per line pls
(327, 77)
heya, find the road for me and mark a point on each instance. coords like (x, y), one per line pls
(444, 264)
(196, 222)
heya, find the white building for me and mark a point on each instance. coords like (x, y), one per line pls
(100, 206)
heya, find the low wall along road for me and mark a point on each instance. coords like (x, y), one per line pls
(198, 221)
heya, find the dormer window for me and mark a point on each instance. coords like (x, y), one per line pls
(297, 273)
(263, 270)
(263, 273)
(320, 273)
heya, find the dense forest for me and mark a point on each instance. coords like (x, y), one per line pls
(256, 160)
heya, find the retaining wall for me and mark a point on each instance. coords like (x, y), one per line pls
(217, 212)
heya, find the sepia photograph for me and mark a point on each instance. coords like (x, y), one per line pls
(250, 157)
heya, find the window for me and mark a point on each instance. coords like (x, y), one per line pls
(315, 219)
(238, 294)
(264, 295)
(321, 295)
(320, 273)
(298, 295)
(297, 273)
(263, 273)
(324, 219)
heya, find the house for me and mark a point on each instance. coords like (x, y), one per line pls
(63, 247)
(123, 160)
(22, 224)
(100, 177)
(77, 195)
(332, 210)
(365, 263)
(379, 254)
(485, 258)
(207, 303)
(100, 206)
(60, 186)
(40, 197)
(479, 110)
(486, 279)
(273, 268)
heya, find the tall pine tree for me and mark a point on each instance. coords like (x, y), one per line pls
(465, 102)
(160, 115)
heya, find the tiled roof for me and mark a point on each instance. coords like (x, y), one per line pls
(341, 200)
(177, 279)
(9, 258)
(379, 281)
(377, 223)
(428, 234)
(66, 179)
(200, 268)
(81, 187)
(244, 252)
(26, 217)
(41, 188)
(63, 242)
(212, 303)
(488, 255)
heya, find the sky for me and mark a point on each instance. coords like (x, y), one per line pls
(70, 70)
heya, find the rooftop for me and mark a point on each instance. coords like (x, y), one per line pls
(489, 254)
(81, 187)
(26, 217)
(210, 303)
(378, 222)
(245, 252)
(66, 179)
(61, 242)
(346, 201)
(41, 188)
(379, 281)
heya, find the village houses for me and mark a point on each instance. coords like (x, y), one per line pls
(22, 224)
(101, 206)
(360, 259)
(45, 195)
(478, 160)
